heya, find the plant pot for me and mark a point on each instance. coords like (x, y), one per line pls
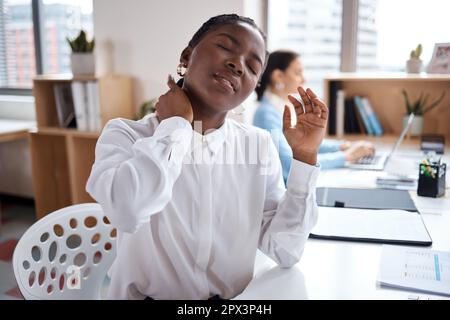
(414, 66)
(82, 64)
(416, 125)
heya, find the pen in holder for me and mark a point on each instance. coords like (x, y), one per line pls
(431, 179)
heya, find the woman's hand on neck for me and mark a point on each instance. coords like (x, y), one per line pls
(206, 115)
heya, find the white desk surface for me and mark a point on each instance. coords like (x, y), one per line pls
(9, 125)
(348, 270)
(11, 130)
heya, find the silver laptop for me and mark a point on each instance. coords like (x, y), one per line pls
(379, 161)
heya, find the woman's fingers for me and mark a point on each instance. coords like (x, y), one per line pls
(306, 99)
(313, 97)
(309, 103)
(171, 82)
(298, 106)
(286, 118)
(322, 107)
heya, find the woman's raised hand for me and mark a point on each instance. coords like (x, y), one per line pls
(307, 134)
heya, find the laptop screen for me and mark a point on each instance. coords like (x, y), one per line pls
(402, 135)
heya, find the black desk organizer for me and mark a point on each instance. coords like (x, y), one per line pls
(431, 180)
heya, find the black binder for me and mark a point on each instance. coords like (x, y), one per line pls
(365, 198)
(373, 200)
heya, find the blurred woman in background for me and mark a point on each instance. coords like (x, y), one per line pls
(281, 78)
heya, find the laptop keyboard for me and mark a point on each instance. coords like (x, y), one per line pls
(368, 160)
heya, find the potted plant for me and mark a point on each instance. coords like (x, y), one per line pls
(414, 64)
(419, 108)
(146, 107)
(82, 58)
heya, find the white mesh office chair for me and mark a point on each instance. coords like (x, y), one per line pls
(66, 254)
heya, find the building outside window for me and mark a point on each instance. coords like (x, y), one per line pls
(311, 28)
(59, 19)
(401, 25)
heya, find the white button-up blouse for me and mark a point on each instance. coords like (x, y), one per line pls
(191, 209)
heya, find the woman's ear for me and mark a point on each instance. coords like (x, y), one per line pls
(186, 56)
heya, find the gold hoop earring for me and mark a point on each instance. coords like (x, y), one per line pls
(181, 69)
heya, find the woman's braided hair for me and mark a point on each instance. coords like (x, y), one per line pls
(219, 21)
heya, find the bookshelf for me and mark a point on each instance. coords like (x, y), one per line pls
(384, 92)
(62, 157)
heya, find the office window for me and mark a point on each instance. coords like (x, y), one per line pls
(311, 28)
(367, 35)
(17, 58)
(388, 31)
(61, 19)
(57, 18)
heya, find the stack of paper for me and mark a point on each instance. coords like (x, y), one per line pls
(415, 269)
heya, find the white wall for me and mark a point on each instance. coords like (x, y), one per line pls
(147, 37)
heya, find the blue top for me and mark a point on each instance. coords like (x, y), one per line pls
(267, 117)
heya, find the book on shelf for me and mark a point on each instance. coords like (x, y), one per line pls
(348, 115)
(340, 113)
(79, 102)
(93, 104)
(87, 105)
(373, 119)
(361, 109)
(64, 105)
(351, 123)
(335, 86)
(359, 121)
(354, 115)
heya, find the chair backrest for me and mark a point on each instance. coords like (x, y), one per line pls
(66, 254)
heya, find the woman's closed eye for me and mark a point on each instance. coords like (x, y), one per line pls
(252, 71)
(223, 47)
(252, 68)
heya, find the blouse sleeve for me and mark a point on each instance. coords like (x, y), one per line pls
(132, 178)
(289, 214)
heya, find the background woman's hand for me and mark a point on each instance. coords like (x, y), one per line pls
(307, 135)
(345, 145)
(174, 103)
(358, 150)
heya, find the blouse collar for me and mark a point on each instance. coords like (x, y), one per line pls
(214, 138)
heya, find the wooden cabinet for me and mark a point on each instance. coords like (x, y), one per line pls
(62, 158)
(384, 93)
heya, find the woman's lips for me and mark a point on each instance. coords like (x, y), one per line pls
(224, 83)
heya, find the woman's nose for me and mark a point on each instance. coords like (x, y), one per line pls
(236, 67)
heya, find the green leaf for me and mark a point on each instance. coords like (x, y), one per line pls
(435, 103)
(80, 43)
(418, 105)
(408, 105)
